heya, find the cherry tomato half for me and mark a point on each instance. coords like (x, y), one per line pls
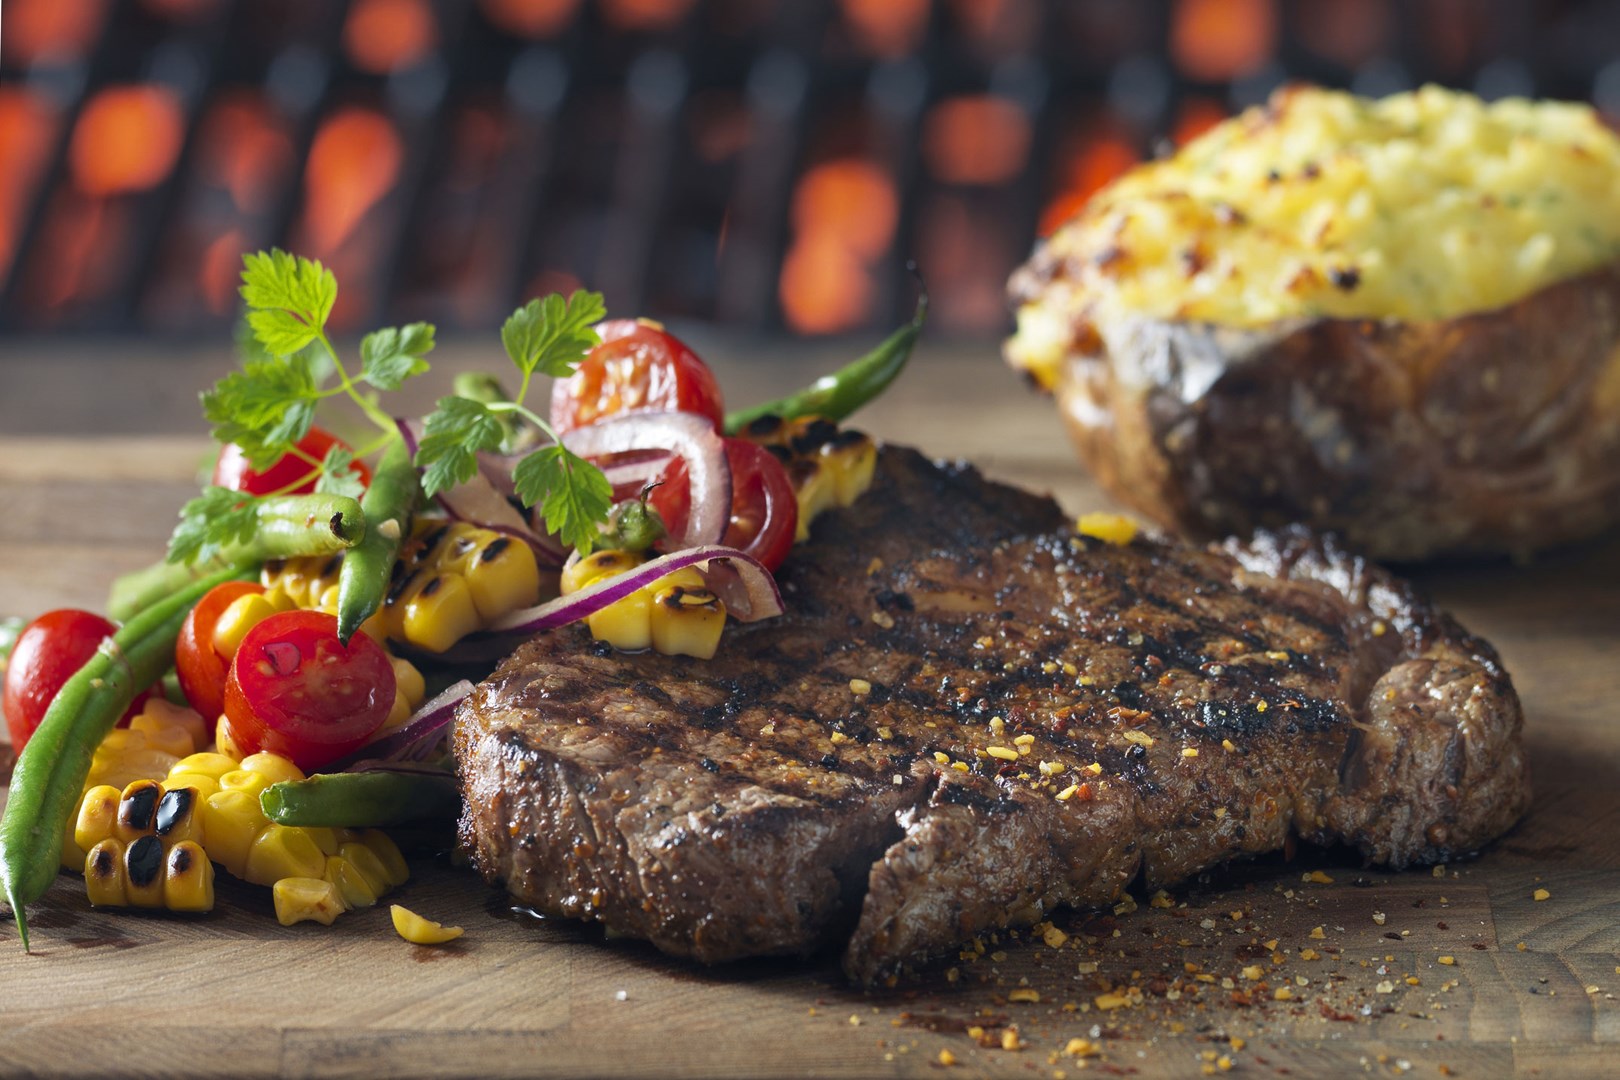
(295, 690)
(201, 668)
(764, 511)
(637, 368)
(48, 652)
(233, 471)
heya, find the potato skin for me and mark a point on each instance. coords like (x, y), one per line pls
(1497, 432)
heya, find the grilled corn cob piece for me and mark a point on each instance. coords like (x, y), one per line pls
(147, 749)
(676, 615)
(827, 465)
(143, 848)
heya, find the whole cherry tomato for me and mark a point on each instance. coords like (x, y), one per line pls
(764, 511)
(48, 652)
(294, 689)
(201, 668)
(639, 367)
(233, 471)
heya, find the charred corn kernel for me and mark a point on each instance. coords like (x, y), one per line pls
(598, 564)
(503, 577)
(137, 810)
(211, 765)
(174, 729)
(98, 817)
(408, 681)
(419, 931)
(179, 816)
(387, 852)
(188, 878)
(851, 458)
(439, 613)
(273, 767)
(306, 899)
(1112, 528)
(626, 623)
(143, 872)
(231, 821)
(350, 882)
(242, 615)
(246, 781)
(815, 489)
(280, 851)
(366, 864)
(224, 743)
(104, 875)
(687, 621)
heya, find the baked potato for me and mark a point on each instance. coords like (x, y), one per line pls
(1397, 320)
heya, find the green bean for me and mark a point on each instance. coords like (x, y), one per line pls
(838, 395)
(50, 772)
(388, 504)
(144, 587)
(360, 799)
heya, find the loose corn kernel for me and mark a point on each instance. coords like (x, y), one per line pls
(231, 821)
(419, 931)
(306, 899)
(350, 882)
(626, 623)
(188, 878)
(280, 851)
(408, 681)
(224, 743)
(243, 614)
(143, 872)
(104, 874)
(439, 613)
(686, 622)
(598, 564)
(273, 767)
(387, 852)
(98, 816)
(1111, 528)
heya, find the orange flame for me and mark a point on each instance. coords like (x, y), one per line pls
(530, 18)
(127, 139)
(1216, 40)
(386, 35)
(36, 28)
(242, 148)
(844, 217)
(27, 126)
(887, 28)
(353, 163)
(976, 140)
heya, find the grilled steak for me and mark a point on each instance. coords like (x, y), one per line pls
(970, 716)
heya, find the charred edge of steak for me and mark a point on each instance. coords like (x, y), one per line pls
(758, 804)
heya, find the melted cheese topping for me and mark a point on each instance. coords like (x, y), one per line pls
(1419, 206)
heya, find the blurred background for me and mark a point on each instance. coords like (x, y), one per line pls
(758, 169)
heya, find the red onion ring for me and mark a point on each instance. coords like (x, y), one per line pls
(750, 587)
(685, 434)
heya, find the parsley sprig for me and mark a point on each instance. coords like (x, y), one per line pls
(292, 369)
(548, 336)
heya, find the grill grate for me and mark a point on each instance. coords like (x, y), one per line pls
(764, 165)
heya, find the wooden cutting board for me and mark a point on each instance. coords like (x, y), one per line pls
(1456, 971)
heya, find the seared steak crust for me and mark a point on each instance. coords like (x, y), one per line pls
(970, 716)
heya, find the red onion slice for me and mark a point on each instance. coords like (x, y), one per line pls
(685, 434)
(416, 738)
(479, 502)
(751, 588)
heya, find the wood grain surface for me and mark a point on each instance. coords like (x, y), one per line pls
(1253, 969)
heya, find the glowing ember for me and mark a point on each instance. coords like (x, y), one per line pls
(1217, 40)
(644, 14)
(386, 35)
(1090, 166)
(530, 18)
(976, 140)
(243, 148)
(887, 28)
(353, 163)
(844, 217)
(27, 127)
(127, 139)
(38, 28)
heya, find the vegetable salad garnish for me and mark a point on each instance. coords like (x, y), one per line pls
(264, 707)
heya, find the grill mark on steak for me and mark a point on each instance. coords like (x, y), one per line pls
(756, 804)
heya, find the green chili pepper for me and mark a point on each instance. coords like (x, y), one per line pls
(838, 395)
(388, 504)
(50, 772)
(360, 799)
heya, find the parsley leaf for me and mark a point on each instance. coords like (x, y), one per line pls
(552, 335)
(573, 495)
(456, 431)
(264, 408)
(290, 297)
(213, 520)
(388, 357)
(338, 476)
